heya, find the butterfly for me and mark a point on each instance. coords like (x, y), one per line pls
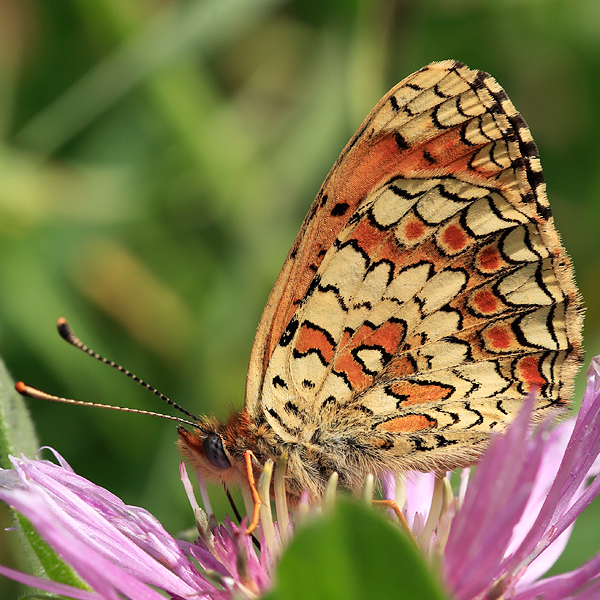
(425, 295)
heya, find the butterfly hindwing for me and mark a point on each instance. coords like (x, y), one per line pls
(427, 290)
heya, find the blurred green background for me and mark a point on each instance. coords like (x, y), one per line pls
(157, 159)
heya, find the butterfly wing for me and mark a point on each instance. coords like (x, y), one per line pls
(427, 290)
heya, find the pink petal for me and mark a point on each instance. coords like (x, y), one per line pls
(101, 574)
(553, 454)
(583, 583)
(544, 562)
(50, 586)
(580, 457)
(494, 503)
(419, 493)
(126, 535)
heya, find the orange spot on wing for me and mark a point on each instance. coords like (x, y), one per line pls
(408, 424)
(361, 335)
(389, 250)
(489, 259)
(439, 152)
(454, 237)
(344, 339)
(314, 339)
(347, 365)
(500, 337)
(485, 301)
(368, 237)
(388, 336)
(414, 230)
(402, 366)
(410, 393)
(529, 371)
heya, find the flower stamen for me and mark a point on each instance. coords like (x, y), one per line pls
(434, 512)
(266, 515)
(281, 505)
(245, 579)
(248, 456)
(330, 492)
(202, 520)
(367, 491)
(212, 520)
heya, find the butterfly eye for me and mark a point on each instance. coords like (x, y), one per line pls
(215, 453)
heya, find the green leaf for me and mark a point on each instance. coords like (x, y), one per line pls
(350, 553)
(53, 566)
(17, 433)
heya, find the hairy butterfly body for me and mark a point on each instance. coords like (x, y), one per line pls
(426, 293)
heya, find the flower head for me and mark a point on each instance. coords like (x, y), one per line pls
(527, 492)
(120, 549)
(504, 529)
(513, 517)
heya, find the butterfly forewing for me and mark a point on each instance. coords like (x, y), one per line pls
(427, 291)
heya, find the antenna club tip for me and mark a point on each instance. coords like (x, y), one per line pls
(20, 387)
(64, 330)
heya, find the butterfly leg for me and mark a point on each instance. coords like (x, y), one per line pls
(248, 456)
(392, 504)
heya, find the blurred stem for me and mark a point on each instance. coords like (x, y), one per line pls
(196, 114)
(199, 27)
(370, 55)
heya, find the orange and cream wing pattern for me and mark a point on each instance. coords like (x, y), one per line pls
(426, 292)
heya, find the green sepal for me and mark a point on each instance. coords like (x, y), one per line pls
(353, 553)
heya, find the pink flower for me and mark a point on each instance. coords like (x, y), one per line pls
(119, 549)
(517, 512)
(512, 520)
(496, 538)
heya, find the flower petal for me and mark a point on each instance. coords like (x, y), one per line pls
(583, 583)
(580, 457)
(126, 535)
(49, 586)
(100, 573)
(554, 451)
(419, 493)
(493, 505)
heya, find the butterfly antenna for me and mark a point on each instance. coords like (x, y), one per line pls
(31, 392)
(67, 334)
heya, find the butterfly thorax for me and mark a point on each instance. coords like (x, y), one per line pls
(216, 450)
(340, 444)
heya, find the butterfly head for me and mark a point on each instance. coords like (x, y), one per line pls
(206, 449)
(214, 452)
